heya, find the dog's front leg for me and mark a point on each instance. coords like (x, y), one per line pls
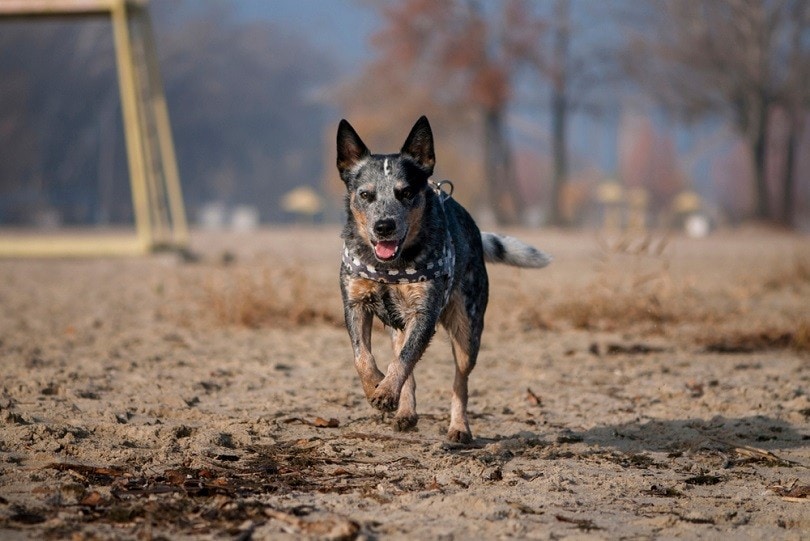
(406, 417)
(418, 331)
(358, 322)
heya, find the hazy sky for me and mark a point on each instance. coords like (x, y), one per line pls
(339, 27)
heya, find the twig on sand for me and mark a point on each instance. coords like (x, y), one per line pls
(759, 454)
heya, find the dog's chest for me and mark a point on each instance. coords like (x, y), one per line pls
(394, 304)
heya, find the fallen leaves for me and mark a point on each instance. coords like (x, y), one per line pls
(663, 492)
(318, 422)
(583, 524)
(703, 479)
(751, 342)
(750, 454)
(793, 492)
(614, 348)
(211, 499)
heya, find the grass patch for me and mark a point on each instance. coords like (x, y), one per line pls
(634, 288)
(633, 285)
(797, 339)
(265, 297)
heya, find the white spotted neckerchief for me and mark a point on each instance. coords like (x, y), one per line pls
(443, 266)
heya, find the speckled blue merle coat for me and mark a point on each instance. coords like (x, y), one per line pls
(414, 258)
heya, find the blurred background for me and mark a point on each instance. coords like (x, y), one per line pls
(569, 113)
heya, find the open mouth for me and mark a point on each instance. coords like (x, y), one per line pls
(386, 250)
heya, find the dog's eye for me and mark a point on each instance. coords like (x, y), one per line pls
(366, 195)
(406, 193)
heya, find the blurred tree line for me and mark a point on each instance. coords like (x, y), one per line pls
(473, 64)
(240, 97)
(515, 90)
(747, 61)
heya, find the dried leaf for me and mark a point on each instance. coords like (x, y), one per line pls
(532, 398)
(632, 349)
(92, 499)
(220, 482)
(703, 479)
(324, 526)
(434, 485)
(320, 422)
(695, 388)
(792, 493)
(174, 477)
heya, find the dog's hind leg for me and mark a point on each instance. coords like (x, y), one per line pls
(465, 338)
(406, 417)
(459, 430)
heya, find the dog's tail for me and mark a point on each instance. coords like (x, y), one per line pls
(511, 251)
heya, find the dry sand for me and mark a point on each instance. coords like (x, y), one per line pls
(630, 390)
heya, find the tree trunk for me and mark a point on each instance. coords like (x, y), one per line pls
(789, 179)
(559, 113)
(499, 175)
(559, 110)
(759, 149)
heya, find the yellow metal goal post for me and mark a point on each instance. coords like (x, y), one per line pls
(160, 220)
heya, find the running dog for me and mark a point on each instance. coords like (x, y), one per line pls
(414, 258)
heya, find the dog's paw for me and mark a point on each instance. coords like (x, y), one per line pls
(405, 422)
(459, 436)
(371, 382)
(385, 398)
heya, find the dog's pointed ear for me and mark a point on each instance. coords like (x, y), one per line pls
(419, 145)
(350, 148)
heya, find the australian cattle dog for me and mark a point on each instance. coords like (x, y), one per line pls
(414, 258)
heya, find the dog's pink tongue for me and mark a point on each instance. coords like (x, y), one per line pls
(386, 249)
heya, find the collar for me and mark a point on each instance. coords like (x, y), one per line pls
(433, 268)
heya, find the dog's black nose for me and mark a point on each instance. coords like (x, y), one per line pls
(385, 227)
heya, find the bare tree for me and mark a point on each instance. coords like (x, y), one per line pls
(795, 99)
(727, 57)
(559, 106)
(461, 55)
(580, 65)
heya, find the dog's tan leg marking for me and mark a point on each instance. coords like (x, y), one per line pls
(416, 334)
(406, 417)
(361, 319)
(459, 424)
(370, 375)
(457, 323)
(386, 396)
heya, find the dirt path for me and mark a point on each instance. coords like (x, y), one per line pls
(630, 390)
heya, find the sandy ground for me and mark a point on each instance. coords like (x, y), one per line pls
(646, 388)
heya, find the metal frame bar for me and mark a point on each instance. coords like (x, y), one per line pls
(143, 108)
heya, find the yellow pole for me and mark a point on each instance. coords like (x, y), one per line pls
(129, 108)
(151, 173)
(164, 131)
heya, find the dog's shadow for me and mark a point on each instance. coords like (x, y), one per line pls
(758, 432)
(755, 434)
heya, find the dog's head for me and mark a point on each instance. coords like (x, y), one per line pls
(386, 192)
